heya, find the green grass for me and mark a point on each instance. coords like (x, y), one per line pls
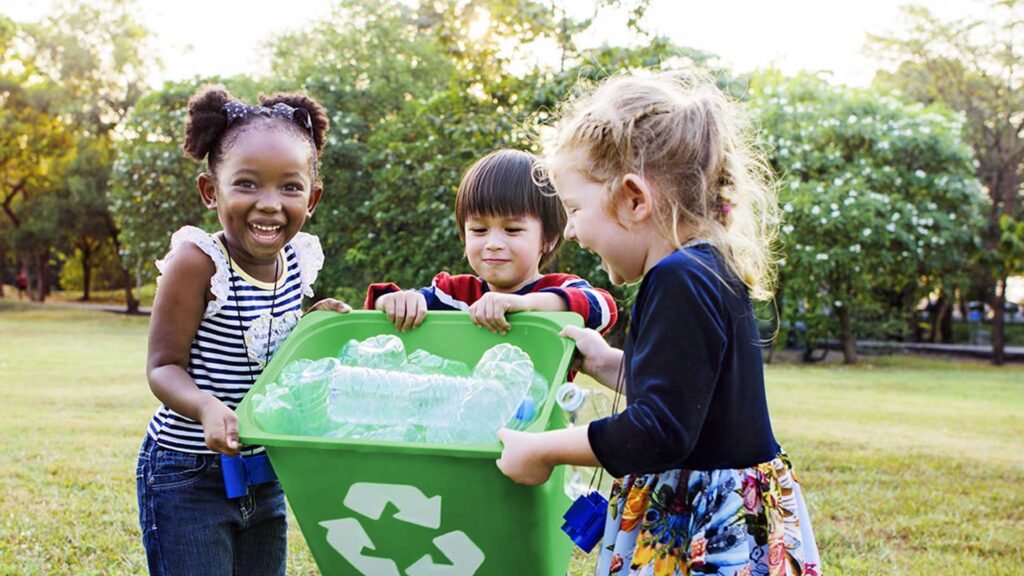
(909, 465)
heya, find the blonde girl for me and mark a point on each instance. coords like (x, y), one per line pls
(656, 179)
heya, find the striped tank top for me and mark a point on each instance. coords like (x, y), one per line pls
(237, 335)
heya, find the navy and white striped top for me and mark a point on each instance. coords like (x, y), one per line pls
(236, 321)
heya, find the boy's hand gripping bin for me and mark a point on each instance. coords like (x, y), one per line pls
(393, 509)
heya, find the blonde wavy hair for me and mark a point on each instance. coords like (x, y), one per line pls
(689, 140)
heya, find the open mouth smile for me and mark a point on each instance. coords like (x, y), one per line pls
(265, 231)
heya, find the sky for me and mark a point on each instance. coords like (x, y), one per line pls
(229, 36)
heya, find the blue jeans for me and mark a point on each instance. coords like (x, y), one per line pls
(189, 527)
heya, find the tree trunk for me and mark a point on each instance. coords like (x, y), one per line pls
(998, 322)
(43, 274)
(131, 304)
(26, 263)
(86, 249)
(913, 327)
(847, 340)
(942, 326)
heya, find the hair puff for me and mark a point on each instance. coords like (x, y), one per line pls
(206, 121)
(317, 114)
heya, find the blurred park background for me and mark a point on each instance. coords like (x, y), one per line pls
(902, 228)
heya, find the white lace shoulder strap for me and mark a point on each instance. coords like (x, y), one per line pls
(311, 259)
(220, 282)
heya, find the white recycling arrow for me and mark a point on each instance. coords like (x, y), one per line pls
(369, 499)
(347, 536)
(463, 554)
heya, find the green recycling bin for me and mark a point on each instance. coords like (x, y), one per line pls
(395, 509)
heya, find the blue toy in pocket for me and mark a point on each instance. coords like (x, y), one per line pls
(240, 473)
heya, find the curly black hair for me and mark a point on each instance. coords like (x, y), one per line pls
(208, 136)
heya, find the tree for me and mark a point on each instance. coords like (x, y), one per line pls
(94, 58)
(972, 65)
(875, 195)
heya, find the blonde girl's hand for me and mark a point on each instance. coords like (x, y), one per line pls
(220, 427)
(407, 309)
(597, 358)
(490, 310)
(521, 458)
(330, 304)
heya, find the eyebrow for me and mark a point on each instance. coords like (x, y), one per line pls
(293, 173)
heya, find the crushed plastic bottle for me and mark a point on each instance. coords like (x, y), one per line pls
(273, 410)
(532, 405)
(581, 407)
(505, 363)
(310, 391)
(386, 352)
(423, 362)
(419, 398)
(422, 407)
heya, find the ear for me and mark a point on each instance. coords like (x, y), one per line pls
(207, 190)
(637, 198)
(314, 199)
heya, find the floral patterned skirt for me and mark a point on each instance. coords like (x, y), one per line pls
(744, 522)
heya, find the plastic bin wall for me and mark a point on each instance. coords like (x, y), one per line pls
(393, 509)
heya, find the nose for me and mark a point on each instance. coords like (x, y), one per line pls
(570, 231)
(269, 200)
(494, 242)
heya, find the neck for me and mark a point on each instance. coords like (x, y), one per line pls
(515, 288)
(264, 270)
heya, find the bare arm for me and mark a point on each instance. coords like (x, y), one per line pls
(489, 311)
(177, 312)
(530, 458)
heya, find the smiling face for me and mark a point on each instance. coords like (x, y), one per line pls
(505, 250)
(595, 228)
(263, 192)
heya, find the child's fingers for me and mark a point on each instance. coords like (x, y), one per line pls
(389, 309)
(421, 314)
(407, 316)
(573, 332)
(231, 434)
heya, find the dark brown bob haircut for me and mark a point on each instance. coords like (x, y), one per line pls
(502, 184)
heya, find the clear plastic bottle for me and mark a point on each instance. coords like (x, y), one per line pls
(581, 407)
(422, 407)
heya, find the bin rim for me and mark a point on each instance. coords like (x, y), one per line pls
(252, 434)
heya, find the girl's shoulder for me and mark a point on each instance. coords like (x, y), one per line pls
(310, 256)
(199, 255)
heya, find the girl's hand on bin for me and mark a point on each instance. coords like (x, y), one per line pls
(596, 357)
(330, 304)
(406, 309)
(220, 427)
(489, 311)
(521, 458)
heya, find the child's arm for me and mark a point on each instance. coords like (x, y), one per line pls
(530, 458)
(490, 310)
(596, 306)
(177, 312)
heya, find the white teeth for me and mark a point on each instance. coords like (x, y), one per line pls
(266, 228)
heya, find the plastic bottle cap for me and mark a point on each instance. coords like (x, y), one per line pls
(526, 410)
(570, 397)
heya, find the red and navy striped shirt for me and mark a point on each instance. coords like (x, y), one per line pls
(447, 292)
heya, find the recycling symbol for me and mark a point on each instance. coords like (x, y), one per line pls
(347, 537)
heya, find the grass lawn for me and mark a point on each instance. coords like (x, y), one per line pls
(910, 465)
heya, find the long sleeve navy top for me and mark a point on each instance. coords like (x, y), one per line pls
(693, 375)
